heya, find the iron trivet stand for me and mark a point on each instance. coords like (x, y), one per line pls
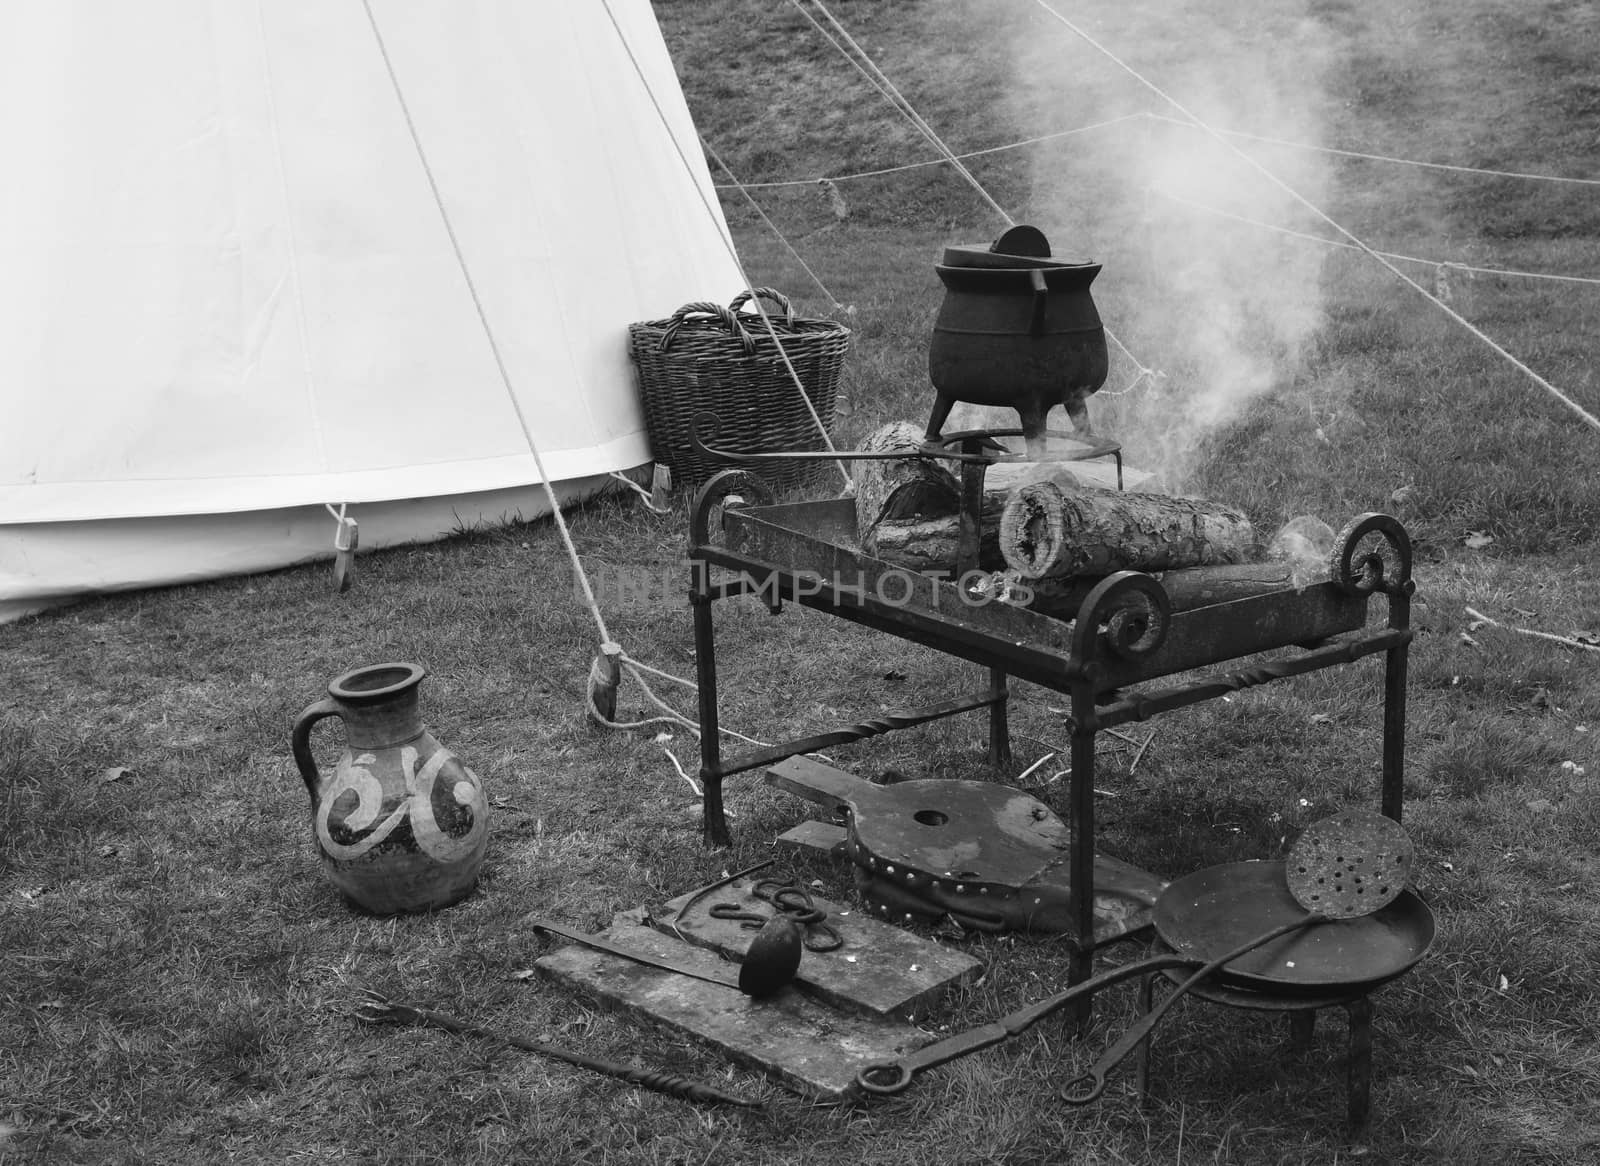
(1301, 1013)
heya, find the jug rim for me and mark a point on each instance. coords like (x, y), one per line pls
(372, 682)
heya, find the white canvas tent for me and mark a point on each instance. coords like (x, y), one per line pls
(229, 295)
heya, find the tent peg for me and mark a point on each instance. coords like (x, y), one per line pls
(605, 677)
(345, 540)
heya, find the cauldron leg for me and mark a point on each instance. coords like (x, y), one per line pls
(1078, 411)
(1033, 415)
(941, 413)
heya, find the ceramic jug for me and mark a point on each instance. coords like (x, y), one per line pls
(401, 824)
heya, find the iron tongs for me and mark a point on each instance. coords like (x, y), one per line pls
(890, 1077)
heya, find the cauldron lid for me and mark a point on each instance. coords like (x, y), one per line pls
(1020, 247)
(1023, 240)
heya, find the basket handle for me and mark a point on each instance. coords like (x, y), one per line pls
(766, 293)
(703, 308)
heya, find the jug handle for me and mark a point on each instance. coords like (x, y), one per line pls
(1040, 295)
(301, 740)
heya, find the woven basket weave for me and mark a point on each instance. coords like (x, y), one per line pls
(707, 358)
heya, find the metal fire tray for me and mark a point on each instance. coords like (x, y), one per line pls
(814, 546)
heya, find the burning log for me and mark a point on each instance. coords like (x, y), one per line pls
(1048, 532)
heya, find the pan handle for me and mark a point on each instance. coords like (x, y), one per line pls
(889, 1077)
(1087, 1087)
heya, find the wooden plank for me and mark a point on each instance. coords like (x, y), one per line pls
(828, 786)
(798, 1041)
(814, 838)
(878, 969)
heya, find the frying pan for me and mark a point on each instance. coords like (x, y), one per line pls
(1243, 925)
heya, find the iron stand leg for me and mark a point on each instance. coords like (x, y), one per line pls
(969, 532)
(1146, 1049)
(714, 821)
(969, 542)
(1394, 729)
(1302, 1025)
(1395, 662)
(1360, 1067)
(1081, 853)
(999, 725)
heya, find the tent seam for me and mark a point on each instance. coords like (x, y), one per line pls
(296, 287)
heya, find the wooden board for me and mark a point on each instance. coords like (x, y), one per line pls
(797, 1040)
(879, 970)
(818, 839)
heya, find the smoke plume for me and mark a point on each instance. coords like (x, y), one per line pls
(1223, 309)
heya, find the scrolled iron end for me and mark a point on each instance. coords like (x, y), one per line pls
(1134, 610)
(1373, 553)
(704, 428)
(719, 488)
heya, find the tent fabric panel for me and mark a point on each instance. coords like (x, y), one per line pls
(120, 223)
(232, 494)
(263, 291)
(398, 364)
(44, 565)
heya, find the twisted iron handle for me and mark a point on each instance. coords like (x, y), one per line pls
(379, 1009)
(1086, 1087)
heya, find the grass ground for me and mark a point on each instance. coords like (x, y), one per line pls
(176, 976)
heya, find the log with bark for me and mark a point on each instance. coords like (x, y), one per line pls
(908, 510)
(1187, 588)
(1048, 532)
(900, 488)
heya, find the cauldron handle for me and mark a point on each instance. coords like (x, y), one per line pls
(1041, 295)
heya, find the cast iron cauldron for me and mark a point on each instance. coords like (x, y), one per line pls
(1019, 329)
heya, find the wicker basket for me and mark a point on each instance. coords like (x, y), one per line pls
(706, 359)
